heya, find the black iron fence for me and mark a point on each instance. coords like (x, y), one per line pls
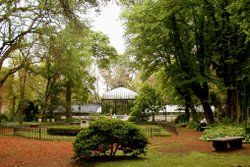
(154, 132)
(41, 133)
(35, 133)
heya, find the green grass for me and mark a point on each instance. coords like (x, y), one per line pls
(193, 159)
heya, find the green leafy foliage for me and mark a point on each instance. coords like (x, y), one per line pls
(147, 103)
(181, 118)
(192, 124)
(107, 136)
(223, 131)
(186, 39)
(3, 118)
(247, 138)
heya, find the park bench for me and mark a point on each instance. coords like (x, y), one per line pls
(221, 143)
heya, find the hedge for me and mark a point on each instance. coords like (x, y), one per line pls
(64, 130)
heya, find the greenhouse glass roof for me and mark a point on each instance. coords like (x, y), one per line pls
(120, 93)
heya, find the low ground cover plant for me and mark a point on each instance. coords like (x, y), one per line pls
(192, 124)
(223, 131)
(105, 137)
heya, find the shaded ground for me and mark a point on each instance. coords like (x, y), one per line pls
(188, 141)
(18, 151)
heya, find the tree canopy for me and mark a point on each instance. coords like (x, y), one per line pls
(196, 43)
(48, 42)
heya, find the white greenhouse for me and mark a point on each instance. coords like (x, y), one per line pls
(118, 101)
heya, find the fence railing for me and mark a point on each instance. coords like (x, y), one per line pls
(153, 132)
(42, 134)
(150, 132)
(35, 133)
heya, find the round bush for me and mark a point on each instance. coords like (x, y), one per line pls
(107, 136)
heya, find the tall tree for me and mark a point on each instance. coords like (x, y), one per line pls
(162, 36)
(186, 38)
(147, 103)
(231, 43)
(20, 19)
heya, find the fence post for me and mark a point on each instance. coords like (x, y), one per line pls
(40, 133)
(14, 130)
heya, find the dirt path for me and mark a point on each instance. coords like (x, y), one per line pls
(188, 141)
(18, 151)
(22, 152)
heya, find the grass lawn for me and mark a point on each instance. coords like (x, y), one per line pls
(193, 159)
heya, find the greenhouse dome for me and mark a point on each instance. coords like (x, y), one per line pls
(118, 101)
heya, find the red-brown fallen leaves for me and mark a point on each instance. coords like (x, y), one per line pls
(18, 151)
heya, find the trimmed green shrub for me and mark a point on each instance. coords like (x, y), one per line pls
(64, 130)
(107, 136)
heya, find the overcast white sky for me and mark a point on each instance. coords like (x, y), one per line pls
(109, 23)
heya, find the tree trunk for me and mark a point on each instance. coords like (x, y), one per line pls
(46, 99)
(22, 96)
(207, 111)
(68, 98)
(190, 106)
(194, 113)
(13, 108)
(1, 98)
(188, 100)
(233, 104)
(45, 105)
(202, 92)
(187, 106)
